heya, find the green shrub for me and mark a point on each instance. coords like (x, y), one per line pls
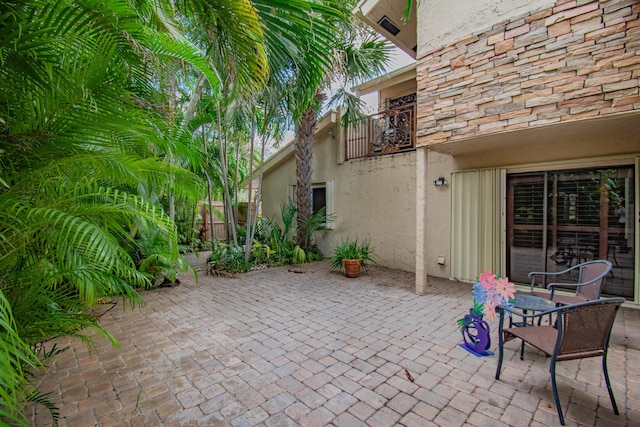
(314, 254)
(261, 253)
(228, 258)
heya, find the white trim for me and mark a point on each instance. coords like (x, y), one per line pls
(292, 192)
(503, 219)
(593, 162)
(636, 216)
(401, 75)
(330, 223)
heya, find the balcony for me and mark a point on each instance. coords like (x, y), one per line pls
(387, 132)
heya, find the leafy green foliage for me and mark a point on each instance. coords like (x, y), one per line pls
(95, 143)
(273, 244)
(299, 256)
(15, 355)
(261, 252)
(157, 261)
(358, 53)
(314, 254)
(82, 147)
(228, 258)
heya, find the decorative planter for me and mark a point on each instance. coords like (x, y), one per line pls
(352, 267)
(475, 332)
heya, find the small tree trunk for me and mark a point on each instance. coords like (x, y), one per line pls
(259, 190)
(225, 183)
(210, 201)
(248, 220)
(236, 206)
(189, 112)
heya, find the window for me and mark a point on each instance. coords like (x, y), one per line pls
(321, 197)
(318, 198)
(557, 219)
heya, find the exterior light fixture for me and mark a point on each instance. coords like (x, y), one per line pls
(440, 182)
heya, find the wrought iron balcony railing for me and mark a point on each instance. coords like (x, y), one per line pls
(387, 132)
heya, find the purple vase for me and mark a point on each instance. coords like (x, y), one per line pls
(475, 332)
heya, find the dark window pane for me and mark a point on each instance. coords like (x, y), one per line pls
(588, 216)
(319, 199)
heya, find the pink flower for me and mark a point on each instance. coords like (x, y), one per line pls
(506, 289)
(489, 310)
(493, 296)
(487, 279)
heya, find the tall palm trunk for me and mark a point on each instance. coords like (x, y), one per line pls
(236, 190)
(248, 222)
(212, 237)
(305, 137)
(209, 187)
(228, 212)
(259, 189)
(171, 102)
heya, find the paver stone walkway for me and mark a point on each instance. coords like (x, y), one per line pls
(281, 347)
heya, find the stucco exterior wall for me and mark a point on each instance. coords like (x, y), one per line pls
(373, 199)
(396, 91)
(275, 188)
(438, 212)
(433, 216)
(441, 22)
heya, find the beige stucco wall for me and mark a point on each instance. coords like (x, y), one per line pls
(441, 22)
(373, 199)
(438, 212)
(396, 91)
(275, 188)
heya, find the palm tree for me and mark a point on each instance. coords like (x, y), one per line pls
(357, 55)
(83, 132)
(271, 121)
(88, 121)
(291, 29)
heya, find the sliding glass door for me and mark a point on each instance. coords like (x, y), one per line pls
(558, 219)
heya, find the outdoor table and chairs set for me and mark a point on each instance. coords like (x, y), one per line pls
(564, 327)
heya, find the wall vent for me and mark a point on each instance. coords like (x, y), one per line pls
(386, 23)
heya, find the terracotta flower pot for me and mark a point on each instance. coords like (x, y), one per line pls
(352, 267)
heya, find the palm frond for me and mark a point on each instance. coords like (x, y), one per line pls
(15, 355)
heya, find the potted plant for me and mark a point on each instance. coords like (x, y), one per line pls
(352, 255)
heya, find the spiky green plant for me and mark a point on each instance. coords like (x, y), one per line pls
(349, 249)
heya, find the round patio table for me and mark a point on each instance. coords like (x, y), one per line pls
(527, 302)
(532, 303)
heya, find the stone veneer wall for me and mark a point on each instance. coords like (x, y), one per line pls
(577, 60)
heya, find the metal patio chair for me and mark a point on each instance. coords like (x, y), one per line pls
(580, 331)
(591, 277)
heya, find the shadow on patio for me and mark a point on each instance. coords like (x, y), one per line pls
(275, 347)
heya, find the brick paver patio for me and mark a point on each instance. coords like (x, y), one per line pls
(278, 348)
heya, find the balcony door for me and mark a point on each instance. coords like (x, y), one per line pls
(557, 219)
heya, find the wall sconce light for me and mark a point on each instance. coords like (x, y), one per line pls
(440, 182)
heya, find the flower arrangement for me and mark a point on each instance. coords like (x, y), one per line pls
(490, 291)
